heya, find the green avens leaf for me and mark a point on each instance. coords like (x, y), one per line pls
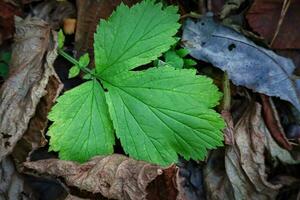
(74, 71)
(182, 52)
(189, 62)
(84, 60)
(173, 59)
(82, 127)
(134, 36)
(157, 113)
(163, 111)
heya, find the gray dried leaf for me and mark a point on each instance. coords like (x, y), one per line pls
(246, 63)
(12, 185)
(31, 66)
(244, 174)
(115, 177)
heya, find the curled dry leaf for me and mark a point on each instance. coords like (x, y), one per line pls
(32, 57)
(273, 123)
(34, 137)
(115, 177)
(245, 162)
(246, 63)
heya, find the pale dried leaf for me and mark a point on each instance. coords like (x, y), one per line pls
(31, 66)
(115, 176)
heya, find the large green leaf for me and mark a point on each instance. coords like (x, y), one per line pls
(133, 36)
(82, 127)
(162, 111)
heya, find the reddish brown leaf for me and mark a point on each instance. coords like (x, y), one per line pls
(88, 16)
(7, 14)
(228, 131)
(31, 66)
(263, 17)
(115, 176)
(272, 122)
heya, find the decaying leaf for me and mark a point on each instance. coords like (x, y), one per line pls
(34, 137)
(263, 17)
(30, 69)
(217, 184)
(54, 12)
(273, 123)
(115, 176)
(245, 162)
(246, 63)
(12, 185)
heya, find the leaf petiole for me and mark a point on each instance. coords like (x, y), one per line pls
(75, 62)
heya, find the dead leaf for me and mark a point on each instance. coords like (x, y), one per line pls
(273, 123)
(88, 21)
(228, 131)
(245, 162)
(54, 12)
(115, 176)
(12, 185)
(217, 184)
(263, 17)
(244, 174)
(7, 14)
(31, 66)
(34, 137)
(189, 180)
(246, 63)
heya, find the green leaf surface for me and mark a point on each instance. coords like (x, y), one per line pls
(174, 60)
(163, 111)
(74, 71)
(3, 69)
(61, 39)
(183, 52)
(134, 36)
(84, 60)
(82, 127)
(189, 62)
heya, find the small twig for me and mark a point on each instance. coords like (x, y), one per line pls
(227, 93)
(74, 62)
(191, 15)
(285, 7)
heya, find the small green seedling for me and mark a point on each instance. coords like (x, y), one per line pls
(156, 113)
(4, 63)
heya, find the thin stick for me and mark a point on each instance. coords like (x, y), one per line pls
(285, 7)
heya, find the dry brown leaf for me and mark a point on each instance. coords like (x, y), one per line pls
(115, 177)
(31, 66)
(34, 137)
(263, 17)
(245, 165)
(7, 14)
(245, 162)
